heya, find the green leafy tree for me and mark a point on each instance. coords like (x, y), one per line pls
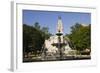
(80, 36)
(32, 39)
(37, 26)
(45, 31)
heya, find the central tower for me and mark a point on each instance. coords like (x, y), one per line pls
(59, 25)
(59, 34)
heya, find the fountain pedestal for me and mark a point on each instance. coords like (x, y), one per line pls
(59, 45)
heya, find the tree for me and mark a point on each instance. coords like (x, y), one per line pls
(37, 26)
(32, 39)
(45, 32)
(80, 36)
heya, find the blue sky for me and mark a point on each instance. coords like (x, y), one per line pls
(49, 19)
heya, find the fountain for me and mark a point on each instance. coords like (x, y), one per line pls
(56, 46)
(60, 42)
